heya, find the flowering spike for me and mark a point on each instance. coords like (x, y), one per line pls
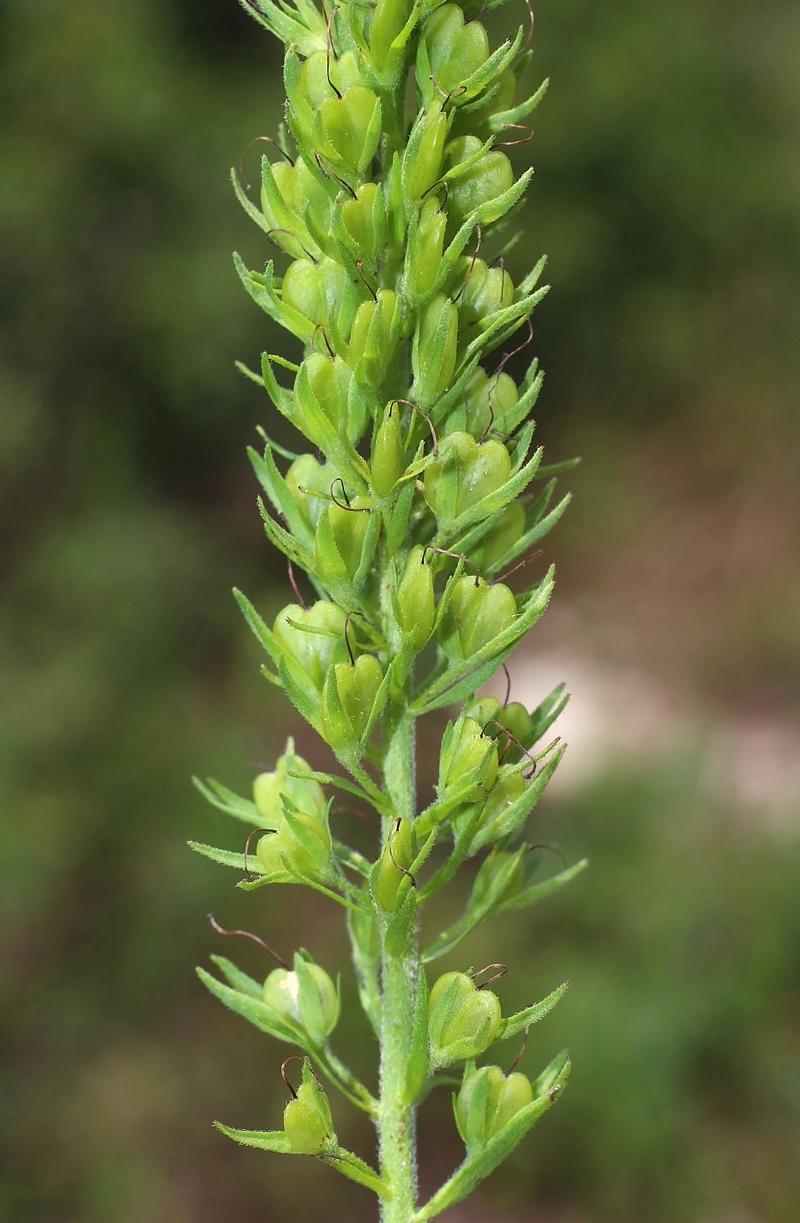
(408, 507)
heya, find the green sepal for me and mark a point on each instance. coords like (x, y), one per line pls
(226, 800)
(261, 288)
(477, 1166)
(237, 979)
(227, 857)
(294, 680)
(396, 519)
(284, 541)
(538, 891)
(511, 818)
(280, 495)
(366, 952)
(504, 118)
(477, 910)
(521, 1020)
(253, 1010)
(299, 23)
(263, 1140)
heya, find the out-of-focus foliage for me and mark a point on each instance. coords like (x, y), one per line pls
(667, 196)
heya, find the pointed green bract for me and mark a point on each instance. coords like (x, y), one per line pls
(410, 492)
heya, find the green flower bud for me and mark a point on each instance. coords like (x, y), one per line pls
(301, 846)
(349, 127)
(364, 223)
(348, 699)
(305, 995)
(424, 251)
(464, 748)
(454, 51)
(486, 179)
(487, 1101)
(310, 636)
(484, 290)
(304, 793)
(462, 1019)
(464, 472)
(307, 1119)
(373, 338)
(415, 604)
(474, 615)
(433, 355)
(393, 865)
(388, 454)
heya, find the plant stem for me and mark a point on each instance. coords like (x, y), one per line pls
(396, 1116)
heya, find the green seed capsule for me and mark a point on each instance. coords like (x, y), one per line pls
(345, 526)
(475, 614)
(487, 1101)
(506, 790)
(393, 865)
(321, 75)
(309, 482)
(316, 290)
(486, 401)
(310, 636)
(301, 846)
(388, 454)
(307, 1119)
(348, 699)
(424, 250)
(304, 793)
(422, 160)
(484, 290)
(349, 127)
(462, 1019)
(388, 19)
(500, 538)
(486, 179)
(454, 50)
(465, 748)
(415, 603)
(464, 472)
(373, 338)
(364, 222)
(435, 348)
(306, 995)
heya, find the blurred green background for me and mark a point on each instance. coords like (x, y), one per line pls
(667, 196)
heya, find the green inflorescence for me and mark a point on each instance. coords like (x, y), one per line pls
(390, 194)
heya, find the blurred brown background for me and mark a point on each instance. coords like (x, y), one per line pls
(667, 196)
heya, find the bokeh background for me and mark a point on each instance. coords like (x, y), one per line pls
(667, 196)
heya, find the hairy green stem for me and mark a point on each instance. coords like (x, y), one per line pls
(399, 972)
